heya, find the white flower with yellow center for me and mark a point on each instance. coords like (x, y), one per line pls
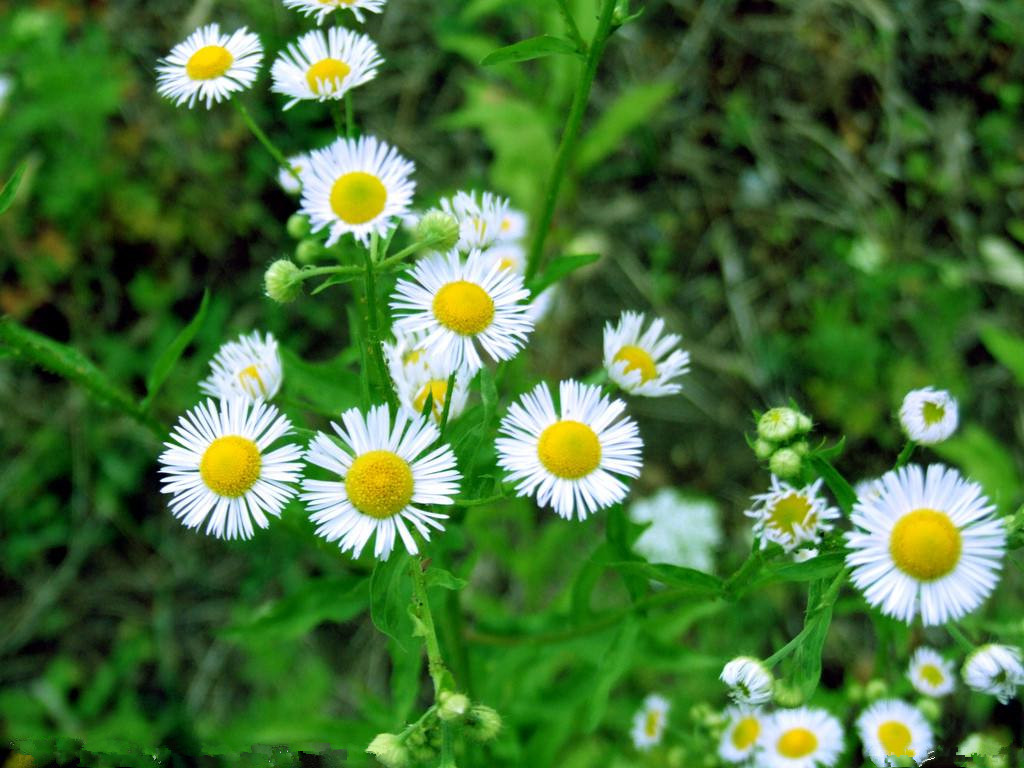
(323, 8)
(209, 66)
(929, 544)
(512, 227)
(929, 416)
(891, 729)
(649, 723)
(791, 516)
(388, 473)
(996, 670)
(749, 680)
(298, 163)
(800, 738)
(643, 362)
(742, 729)
(930, 674)
(325, 65)
(356, 185)
(480, 218)
(570, 457)
(463, 307)
(509, 256)
(682, 530)
(249, 367)
(418, 377)
(217, 467)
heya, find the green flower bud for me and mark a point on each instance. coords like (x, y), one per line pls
(855, 693)
(452, 706)
(802, 447)
(778, 424)
(804, 423)
(763, 449)
(282, 281)
(439, 229)
(388, 748)
(308, 251)
(298, 226)
(930, 708)
(483, 723)
(875, 689)
(786, 695)
(785, 463)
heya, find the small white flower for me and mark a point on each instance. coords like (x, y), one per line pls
(209, 66)
(869, 489)
(570, 457)
(512, 227)
(323, 8)
(298, 163)
(509, 256)
(649, 722)
(217, 467)
(893, 729)
(644, 362)
(683, 531)
(996, 670)
(325, 65)
(791, 516)
(418, 374)
(800, 738)
(749, 681)
(249, 367)
(356, 185)
(928, 416)
(463, 307)
(930, 674)
(929, 544)
(388, 475)
(480, 218)
(739, 739)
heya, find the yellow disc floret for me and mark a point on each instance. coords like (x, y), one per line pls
(797, 742)
(932, 674)
(438, 390)
(463, 307)
(358, 197)
(932, 413)
(251, 381)
(328, 73)
(789, 512)
(209, 62)
(652, 723)
(638, 359)
(925, 544)
(895, 739)
(379, 484)
(230, 466)
(569, 449)
(746, 732)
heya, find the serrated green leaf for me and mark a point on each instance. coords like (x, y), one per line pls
(390, 597)
(614, 664)
(11, 187)
(561, 267)
(805, 671)
(630, 110)
(842, 490)
(821, 567)
(532, 48)
(165, 362)
(1007, 348)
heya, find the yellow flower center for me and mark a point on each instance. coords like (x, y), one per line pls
(791, 511)
(209, 62)
(358, 197)
(638, 359)
(895, 739)
(652, 722)
(327, 72)
(745, 733)
(932, 674)
(797, 742)
(412, 356)
(569, 449)
(379, 484)
(251, 382)
(932, 413)
(438, 390)
(507, 263)
(230, 466)
(925, 544)
(463, 307)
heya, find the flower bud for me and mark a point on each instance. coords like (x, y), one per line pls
(787, 695)
(282, 281)
(763, 449)
(785, 463)
(778, 424)
(483, 723)
(308, 251)
(298, 226)
(875, 689)
(804, 423)
(930, 708)
(452, 706)
(438, 229)
(388, 749)
(802, 447)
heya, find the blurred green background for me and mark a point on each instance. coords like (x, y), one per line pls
(825, 198)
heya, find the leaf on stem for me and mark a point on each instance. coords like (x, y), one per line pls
(633, 109)
(531, 48)
(560, 268)
(11, 187)
(171, 354)
(390, 596)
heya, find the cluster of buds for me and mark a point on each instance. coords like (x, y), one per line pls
(782, 441)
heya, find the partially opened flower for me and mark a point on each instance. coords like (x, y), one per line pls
(219, 470)
(643, 362)
(996, 670)
(249, 367)
(791, 516)
(418, 376)
(929, 544)
(750, 682)
(890, 729)
(742, 729)
(930, 674)
(287, 179)
(928, 416)
(480, 218)
(388, 473)
(800, 738)
(356, 185)
(323, 8)
(209, 66)
(649, 722)
(571, 457)
(325, 65)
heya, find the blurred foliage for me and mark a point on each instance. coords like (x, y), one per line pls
(825, 197)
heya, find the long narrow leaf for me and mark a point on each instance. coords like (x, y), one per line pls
(532, 48)
(162, 367)
(11, 187)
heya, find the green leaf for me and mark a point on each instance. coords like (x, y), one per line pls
(561, 267)
(439, 577)
(985, 460)
(165, 362)
(390, 597)
(11, 187)
(675, 576)
(841, 489)
(821, 567)
(329, 387)
(614, 664)
(805, 671)
(1007, 348)
(634, 108)
(532, 48)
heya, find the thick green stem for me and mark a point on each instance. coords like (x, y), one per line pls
(421, 607)
(373, 324)
(571, 133)
(265, 140)
(350, 117)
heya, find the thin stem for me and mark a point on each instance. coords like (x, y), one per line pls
(310, 272)
(373, 324)
(569, 136)
(350, 118)
(828, 598)
(905, 454)
(265, 140)
(960, 638)
(571, 28)
(403, 254)
(421, 607)
(447, 401)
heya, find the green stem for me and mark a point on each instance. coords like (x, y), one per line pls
(421, 606)
(403, 254)
(350, 118)
(905, 454)
(447, 402)
(961, 639)
(828, 598)
(265, 140)
(571, 28)
(569, 136)
(309, 272)
(373, 324)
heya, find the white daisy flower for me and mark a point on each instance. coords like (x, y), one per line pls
(929, 673)
(682, 530)
(569, 457)
(930, 544)
(249, 367)
(356, 185)
(323, 8)
(509, 256)
(512, 227)
(868, 489)
(480, 218)
(928, 416)
(643, 362)
(217, 467)
(540, 306)
(996, 670)
(325, 65)
(418, 375)
(791, 516)
(739, 739)
(209, 66)
(649, 722)
(800, 738)
(461, 306)
(890, 729)
(388, 474)
(298, 163)
(749, 681)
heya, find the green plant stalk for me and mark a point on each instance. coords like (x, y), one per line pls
(961, 639)
(310, 272)
(350, 119)
(421, 607)
(905, 454)
(570, 134)
(265, 140)
(829, 597)
(570, 27)
(373, 324)
(447, 402)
